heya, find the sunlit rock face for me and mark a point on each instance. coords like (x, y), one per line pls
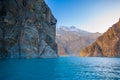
(107, 45)
(27, 29)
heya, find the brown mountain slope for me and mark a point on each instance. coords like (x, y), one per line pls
(71, 40)
(107, 45)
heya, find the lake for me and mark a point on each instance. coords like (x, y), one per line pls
(62, 68)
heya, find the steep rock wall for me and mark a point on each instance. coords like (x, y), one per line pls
(27, 29)
(107, 45)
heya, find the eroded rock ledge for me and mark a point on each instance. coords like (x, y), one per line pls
(27, 29)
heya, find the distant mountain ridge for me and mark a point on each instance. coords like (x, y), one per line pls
(71, 29)
(72, 40)
(107, 45)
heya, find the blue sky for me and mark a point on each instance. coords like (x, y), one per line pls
(89, 15)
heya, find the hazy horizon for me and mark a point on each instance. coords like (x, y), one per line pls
(88, 15)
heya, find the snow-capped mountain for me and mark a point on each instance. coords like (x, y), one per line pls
(71, 40)
(72, 29)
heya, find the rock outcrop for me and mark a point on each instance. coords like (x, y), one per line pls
(107, 45)
(27, 29)
(72, 40)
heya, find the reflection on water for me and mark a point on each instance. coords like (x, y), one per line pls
(63, 68)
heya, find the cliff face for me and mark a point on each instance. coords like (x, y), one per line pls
(72, 40)
(107, 45)
(27, 29)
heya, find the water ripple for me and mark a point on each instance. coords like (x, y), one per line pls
(63, 68)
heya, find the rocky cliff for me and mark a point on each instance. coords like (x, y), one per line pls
(27, 29)
(107, 45)
(72, 40)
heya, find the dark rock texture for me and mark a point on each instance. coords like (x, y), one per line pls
(27, 29)
(107, 45)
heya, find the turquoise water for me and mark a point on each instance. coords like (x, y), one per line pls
(63, 68)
